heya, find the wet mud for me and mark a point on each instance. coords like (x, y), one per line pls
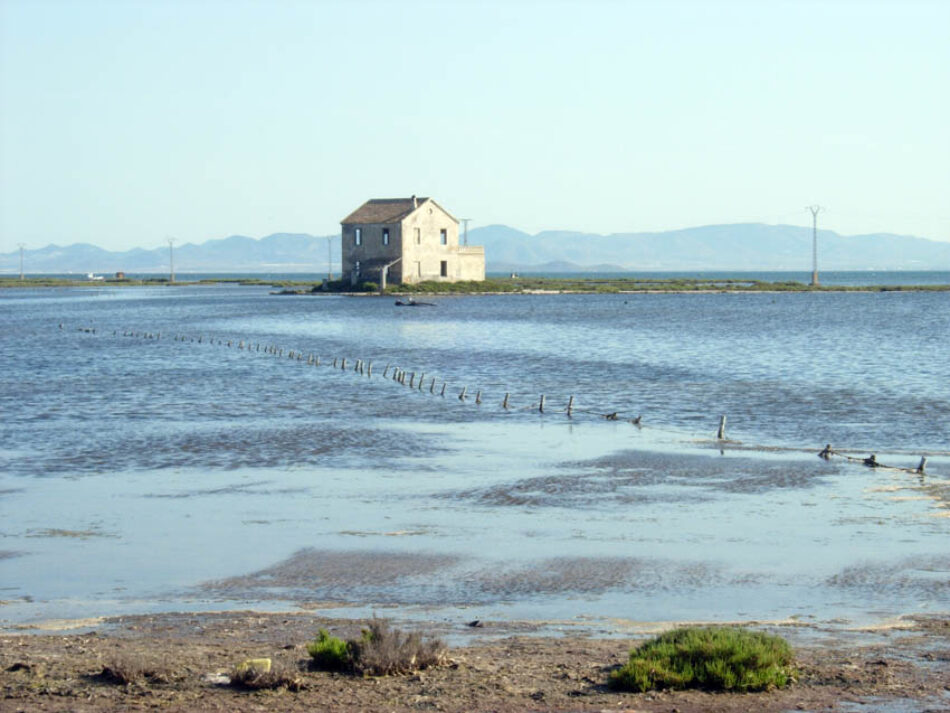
(225, 447)
(644, 477)
(912, 577)
(335, 575)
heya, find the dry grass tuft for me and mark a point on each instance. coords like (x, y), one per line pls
(126, 670)
(255, 678)
(383, 651)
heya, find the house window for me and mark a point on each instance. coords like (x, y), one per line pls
(385, 236)
(418, 269)
(444, 270)
(358, 236)
(443, 237)
(418, 236)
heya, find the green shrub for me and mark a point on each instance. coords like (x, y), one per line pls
(711, 658)
(329, 653)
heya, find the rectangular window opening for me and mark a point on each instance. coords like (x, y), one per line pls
(444, 270)
(443, 236)
(358, 236)
(385, 236)
(418, 236)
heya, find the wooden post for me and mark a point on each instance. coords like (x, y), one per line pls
(442, 393)
(504, 404)
(334, 362)
(369, 369)
(541, 405)
(462, 395)
(422, 378)
(385, 371)
(923, 465)
(316, 360)
(343, 364)
(721, 434)
(432, 386)
(570, 407)
(478, 397)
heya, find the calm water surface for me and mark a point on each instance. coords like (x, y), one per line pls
(145, 473)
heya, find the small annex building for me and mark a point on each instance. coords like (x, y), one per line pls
(406, 240)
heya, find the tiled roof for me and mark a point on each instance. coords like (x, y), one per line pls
(383, 210)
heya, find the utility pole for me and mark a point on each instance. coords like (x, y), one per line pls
(21, 246)
(815, 210)
(171, 259)
(465, 221)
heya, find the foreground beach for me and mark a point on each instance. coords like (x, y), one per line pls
(497, 666)
(215, 448)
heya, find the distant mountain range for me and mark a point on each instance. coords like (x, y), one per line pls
(742, 246)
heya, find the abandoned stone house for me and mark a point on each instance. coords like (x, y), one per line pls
(406, 240)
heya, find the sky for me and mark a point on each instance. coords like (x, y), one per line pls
(123, 122)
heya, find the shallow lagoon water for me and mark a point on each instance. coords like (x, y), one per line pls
(144, 474)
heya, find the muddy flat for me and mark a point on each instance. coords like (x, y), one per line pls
(180, 662)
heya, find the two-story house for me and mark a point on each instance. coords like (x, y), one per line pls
(406, 240)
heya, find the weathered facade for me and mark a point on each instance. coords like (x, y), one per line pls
(394, 240)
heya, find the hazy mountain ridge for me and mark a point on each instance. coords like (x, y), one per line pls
(742, 246)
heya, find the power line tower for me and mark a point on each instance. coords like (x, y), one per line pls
(815, 210)
(465, 222)
(171, 259)
(21, 246)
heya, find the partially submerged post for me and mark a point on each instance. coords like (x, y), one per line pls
(923, 465)
(721, 434)
(570, 406)
(504, 404)
(541, 405)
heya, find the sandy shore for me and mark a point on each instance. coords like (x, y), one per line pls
(494, 667)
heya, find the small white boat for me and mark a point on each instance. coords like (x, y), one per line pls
(94, 277)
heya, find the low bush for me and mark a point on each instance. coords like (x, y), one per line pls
(710, 658)
(328, 653)
(383, 651)
(380, 651)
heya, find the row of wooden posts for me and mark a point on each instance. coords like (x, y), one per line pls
(401, 376)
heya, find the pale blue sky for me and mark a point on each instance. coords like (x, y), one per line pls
(122, 123)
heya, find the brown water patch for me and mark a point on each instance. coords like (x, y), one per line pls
(253, 488)
(574, 490)
(77, 534)
(639, 477)
(589, 575)
(229, 447)
(913, 576)
(333, 575)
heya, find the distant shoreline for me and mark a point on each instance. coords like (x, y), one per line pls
(528, 285)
